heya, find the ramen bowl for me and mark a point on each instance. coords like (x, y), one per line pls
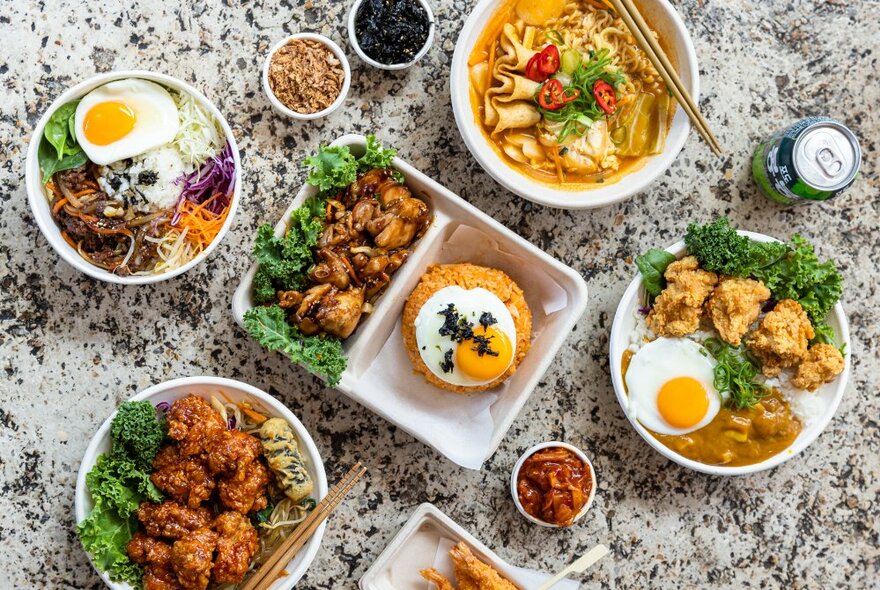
(39, 203)
(663, 18)
(235, 392)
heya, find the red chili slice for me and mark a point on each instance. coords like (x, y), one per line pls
(551, 95)
(605, 97)
(533, 69)
(549, 62)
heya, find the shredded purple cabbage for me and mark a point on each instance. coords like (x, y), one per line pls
(230, 423)
(217, 175)
(644, 310)
(163, 407)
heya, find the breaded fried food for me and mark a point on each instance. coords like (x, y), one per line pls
(193, 423)
(782, 338)
(470, 572)
(192, 558)
(467, 276)
(170, 519)
(677, 310)
(734, 306)
(822, 364)
(184, 478)
(237, 543)
(155, 556)
(247, 493)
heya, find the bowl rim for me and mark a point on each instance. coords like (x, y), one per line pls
(343, 92)
(103, 432)
(545, 194)
(39, 205)
(531, 451)
(619, 341)
(352, 37)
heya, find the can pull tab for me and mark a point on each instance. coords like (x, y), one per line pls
(829, 161)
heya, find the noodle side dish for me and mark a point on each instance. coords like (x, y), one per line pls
(194, 494)
(564, 94)
(139, 177)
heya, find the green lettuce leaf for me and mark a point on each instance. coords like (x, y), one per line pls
(376, 156)
(105, 536)
(333, 167)
(652, 264)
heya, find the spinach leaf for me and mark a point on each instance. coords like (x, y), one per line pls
(652, 264)
(50, 163)
(59, 130)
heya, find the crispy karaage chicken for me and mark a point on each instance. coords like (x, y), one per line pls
(734, 306)
(191, 558)
(155, 556)
(470, 572)
(193, 423)
(678, 308)
(781, 340)
(171, 519)
(184, 478)
(247, 494)
(237, 544)
(232, 451)
(822, 364)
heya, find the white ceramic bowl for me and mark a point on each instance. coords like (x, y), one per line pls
(352, 37)
(546, 445)
(830, 394)
(667, 22)
(40, 204)
(343, 93)
(236, 391)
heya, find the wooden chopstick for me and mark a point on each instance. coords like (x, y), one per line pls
(640, 30)
(268, 572)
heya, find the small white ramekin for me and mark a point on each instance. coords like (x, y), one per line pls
(346, 82)
(352, 37)
(514, 475)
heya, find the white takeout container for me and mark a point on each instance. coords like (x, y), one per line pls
(283, 109)
(352, 38)
(663, 18)
(205, 387)
(415, 548)
(829, 395)
(514, 476)
(39, 202)
(466, 428)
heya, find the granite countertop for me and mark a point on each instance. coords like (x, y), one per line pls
(73, 348)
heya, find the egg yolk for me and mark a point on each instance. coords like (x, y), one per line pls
(683, 402)
(488, 365)
(107, 122)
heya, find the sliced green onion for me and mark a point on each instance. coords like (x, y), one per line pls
(571, 59)
(555, 37)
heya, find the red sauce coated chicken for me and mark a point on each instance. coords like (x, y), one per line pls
(553, 485)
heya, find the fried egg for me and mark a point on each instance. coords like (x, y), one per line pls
(669, 386)
(125, 118)
(466, 336)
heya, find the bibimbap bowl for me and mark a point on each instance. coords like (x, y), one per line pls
(236, 392)
(38, 193)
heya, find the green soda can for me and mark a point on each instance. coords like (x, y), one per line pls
(815, 159)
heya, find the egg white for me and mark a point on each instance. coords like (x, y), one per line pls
(658, 362)
(156, 119)
(470, 303)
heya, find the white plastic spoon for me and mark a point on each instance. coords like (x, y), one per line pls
(581, 565)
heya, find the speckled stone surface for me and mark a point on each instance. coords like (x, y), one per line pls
(72, 348)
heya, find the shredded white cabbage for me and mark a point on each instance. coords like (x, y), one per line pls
(199, 136)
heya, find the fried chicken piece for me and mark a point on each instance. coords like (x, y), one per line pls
(237, 544)
(247, 494)
(781, 340)
(192, 422)
(184, 478)
(155, 556)
(734, 306)
(170, 519)
(232, 451)
(191, 558)
(678, 308)
(822, 364)
(442, 581)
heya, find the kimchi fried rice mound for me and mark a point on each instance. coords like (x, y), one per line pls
(466, 276)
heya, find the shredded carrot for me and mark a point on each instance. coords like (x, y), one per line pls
(54, 189)
(202, 225)
(69, 240)
(253, 415)
(57, 207)
(85, 192)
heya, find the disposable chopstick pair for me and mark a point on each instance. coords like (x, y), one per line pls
(268, 572)
(640, 30)
(585, 561)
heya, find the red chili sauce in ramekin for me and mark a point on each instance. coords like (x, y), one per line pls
(553, 485)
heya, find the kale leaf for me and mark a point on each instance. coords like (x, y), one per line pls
(720, 249)
(136, 433)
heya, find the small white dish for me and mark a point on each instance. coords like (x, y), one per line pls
(465, 428)
(666, 21)
(205, 387)
(539, 447)
(829, 395)
(39, 203)
(416, 546)
(343, 93)
(352, 37)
